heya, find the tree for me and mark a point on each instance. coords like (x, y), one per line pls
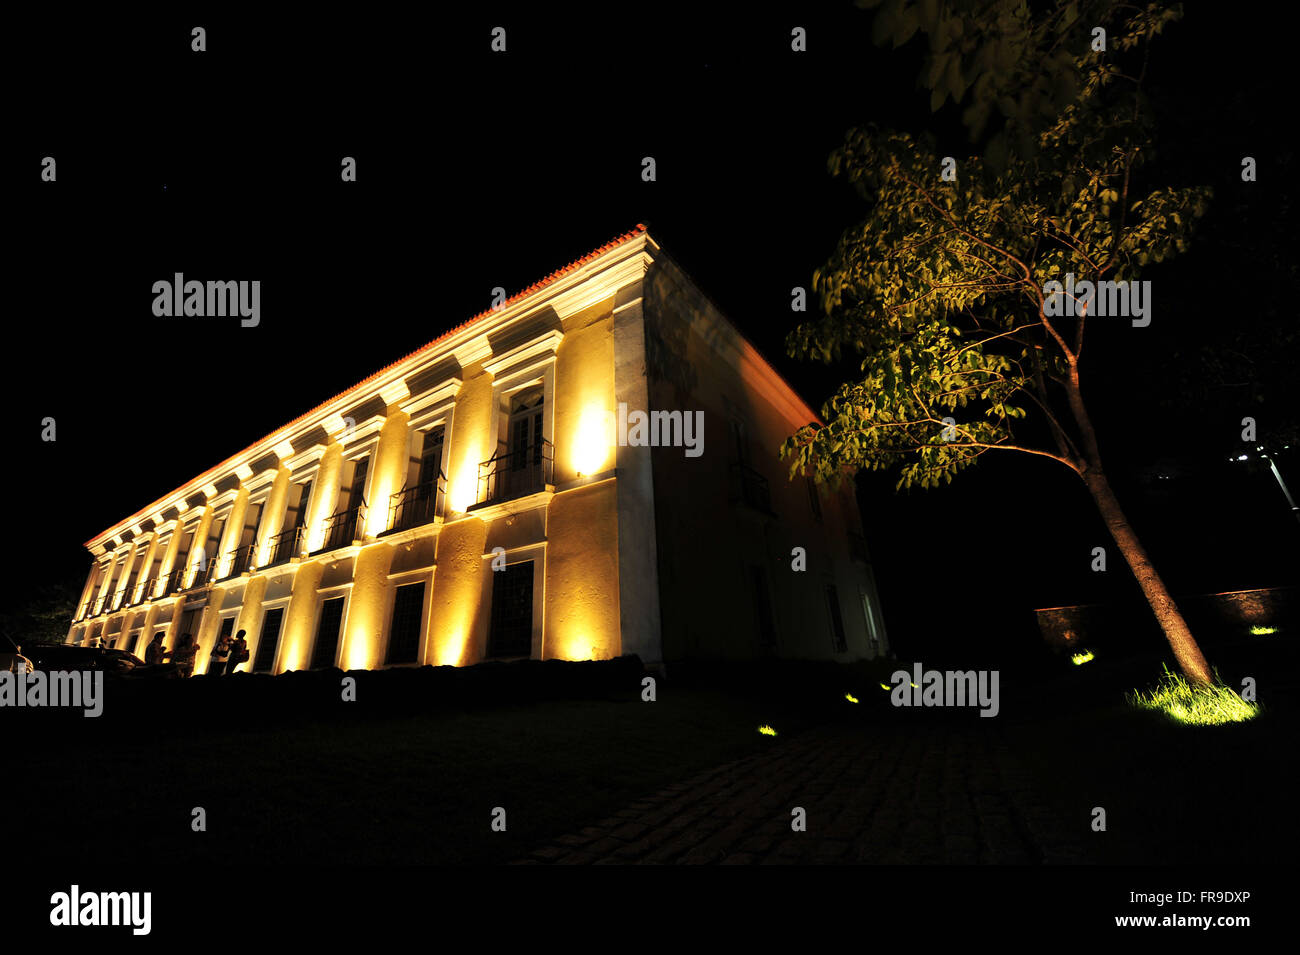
(965, 294)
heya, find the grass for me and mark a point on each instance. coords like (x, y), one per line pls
(1194, 704)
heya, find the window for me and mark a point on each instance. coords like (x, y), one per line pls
(814, 499)
(418, 501)
(327, 634)
(268, 641)
(298, 508)
(180, 567)
(128, 592)
(344, 526)
(156, 567)
(838, 641)
(188, 624)
(762, 608)
(511, 631)
(871, 621)
(211, 550)
(94, 590)
(404, 633)
(242, 558)
(739, 441)
(356, 487)
(227, 629)
(430, 459)
(522, 473)
(288, 543)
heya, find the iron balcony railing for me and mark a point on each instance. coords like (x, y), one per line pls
(750, 487)
(506, 476)
(343, 528)
(147, 588)
(175, 581)
(413, 506)
(285, 545)
(241, 559)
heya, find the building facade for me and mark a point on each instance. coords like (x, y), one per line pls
(585, 471)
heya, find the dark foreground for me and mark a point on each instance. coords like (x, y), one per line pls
(417, 768)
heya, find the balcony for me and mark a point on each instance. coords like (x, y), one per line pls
(285, 545)
(175, 581)
(750, 488)
(343, 528)
(200, 577)
(504, 477)
(241, 560)
(417, 505)
(147, 589)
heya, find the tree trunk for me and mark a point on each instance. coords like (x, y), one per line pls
(1171, 621)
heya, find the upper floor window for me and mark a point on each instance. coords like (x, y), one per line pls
(346, 524)
(522, 464)
(420, 499)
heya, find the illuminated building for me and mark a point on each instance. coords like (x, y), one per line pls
(473, 501)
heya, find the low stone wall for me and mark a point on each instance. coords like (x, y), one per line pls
(1073, 628)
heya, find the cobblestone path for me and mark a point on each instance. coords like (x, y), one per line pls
(897, 794)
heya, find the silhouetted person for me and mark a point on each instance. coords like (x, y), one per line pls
(154, 652)
(220, 654)
(184, 654)
(238, 652)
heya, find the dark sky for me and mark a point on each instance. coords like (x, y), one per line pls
(479, 170)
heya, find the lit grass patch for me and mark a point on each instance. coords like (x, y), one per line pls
(1263, 631)
(767, 731)
(1194, 704)
(1082, 658)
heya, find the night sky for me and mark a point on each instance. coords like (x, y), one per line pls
(478, 170)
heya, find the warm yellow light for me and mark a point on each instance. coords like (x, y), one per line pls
(377, 511)
(463, 491)
(850, 697)
(593, 439)
(767, 731)
(358, 658)
(449, 650)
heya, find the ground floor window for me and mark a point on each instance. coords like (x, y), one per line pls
(404, 632)
(511, 631)
(268, 641)
(327, 634)
(762, 608)
(838, 640)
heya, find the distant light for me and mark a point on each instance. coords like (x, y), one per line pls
(850, 697)
(1081, 658)
(1241, 457)
(1263, 631)
(767, 731)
